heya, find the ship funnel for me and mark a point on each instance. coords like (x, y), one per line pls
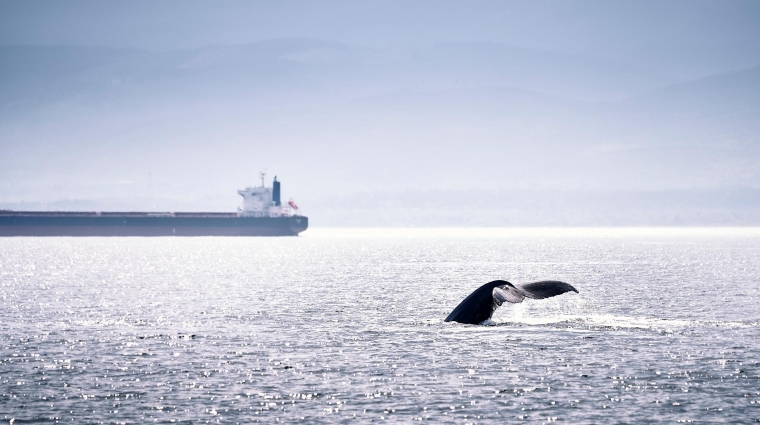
(276, 192)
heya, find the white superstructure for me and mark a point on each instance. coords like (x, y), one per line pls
(264, 201)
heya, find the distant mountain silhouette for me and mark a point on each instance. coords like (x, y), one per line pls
(448, 117)
(40, 74)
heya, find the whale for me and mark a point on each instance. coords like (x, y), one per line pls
(480, 305)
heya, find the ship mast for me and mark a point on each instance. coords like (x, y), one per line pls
(263, 177)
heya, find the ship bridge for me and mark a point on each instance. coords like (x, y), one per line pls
(265, 201)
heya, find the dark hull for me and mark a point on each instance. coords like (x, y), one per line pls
(135, 224)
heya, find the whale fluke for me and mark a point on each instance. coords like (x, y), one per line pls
(480, 305)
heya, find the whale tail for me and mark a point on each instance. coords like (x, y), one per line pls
(534, 290)
(480, 305)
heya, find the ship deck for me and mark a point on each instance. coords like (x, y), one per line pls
(131, 214)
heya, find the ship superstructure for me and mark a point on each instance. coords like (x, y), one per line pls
(264, 201)
(261, 214)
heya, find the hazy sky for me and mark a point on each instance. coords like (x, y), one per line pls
(671, 36)
(387, 112)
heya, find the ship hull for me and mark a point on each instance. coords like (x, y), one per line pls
(141, 224)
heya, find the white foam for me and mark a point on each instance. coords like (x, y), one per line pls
(622, 322)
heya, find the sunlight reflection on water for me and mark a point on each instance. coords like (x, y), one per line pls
(344, 324)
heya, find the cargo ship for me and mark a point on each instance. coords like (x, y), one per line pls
(261, 214)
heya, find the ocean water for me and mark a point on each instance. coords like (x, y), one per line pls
(346, 326)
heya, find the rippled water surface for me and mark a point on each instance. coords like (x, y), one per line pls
(347, 326)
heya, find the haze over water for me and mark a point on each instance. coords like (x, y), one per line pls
(387, 113)
(340, 326)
